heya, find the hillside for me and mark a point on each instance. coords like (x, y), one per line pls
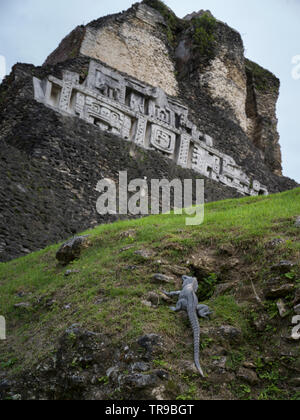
(141, 91)
(101, 328)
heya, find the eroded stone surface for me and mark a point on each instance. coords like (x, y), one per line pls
(128, 43)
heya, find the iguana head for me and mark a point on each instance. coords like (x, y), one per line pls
(186, 280)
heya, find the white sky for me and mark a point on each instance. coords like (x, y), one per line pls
(31, 29)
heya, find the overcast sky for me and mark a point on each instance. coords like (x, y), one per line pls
(31, 29)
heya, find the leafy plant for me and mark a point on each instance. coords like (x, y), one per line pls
(189, 395)
(263, 79)
(272, 309)
(104, 380)
(8, 364)
(291, 275)
(160, 363)
(204, 35)
(271, 392)
(207, 287)
(235, 360)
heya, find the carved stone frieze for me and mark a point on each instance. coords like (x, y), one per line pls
(144, 115)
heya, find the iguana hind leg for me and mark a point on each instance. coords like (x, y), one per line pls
(181, 305)
(204, 311)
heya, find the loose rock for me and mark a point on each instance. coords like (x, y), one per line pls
(230, 333)
(283, 267)
(147, 303)
(283, 311)
(158, 393)
(154, 298)
(145, 253)
(138, 380)
(188, 366)
(222, 289)
(140, 367)
(276, 242)
(71, 250)
(248, 376)
(261, 322)
(220, 363)
(22, 305)
(227, 249)
(161, 278)
(70, 272)
(275, 292)
(152, 343)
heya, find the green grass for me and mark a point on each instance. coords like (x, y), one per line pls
(106, 294)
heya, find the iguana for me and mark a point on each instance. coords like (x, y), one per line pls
(188, 301)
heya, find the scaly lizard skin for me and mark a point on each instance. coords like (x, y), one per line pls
(188, 301)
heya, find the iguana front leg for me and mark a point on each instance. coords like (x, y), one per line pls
(171, 294)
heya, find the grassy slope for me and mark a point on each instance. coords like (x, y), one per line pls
(106, 275)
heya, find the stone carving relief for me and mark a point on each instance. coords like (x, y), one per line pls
(137, 102)
(163, 139)
(145, 115)
(185, 145)
(141, 131)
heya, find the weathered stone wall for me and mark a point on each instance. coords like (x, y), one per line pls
(130, 43)
(225, 76)
(50, 166)
(144, 115)
(262, 97)
(154, 46)
(69, 47)
(51, 163)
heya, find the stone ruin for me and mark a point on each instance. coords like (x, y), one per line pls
(145, 115)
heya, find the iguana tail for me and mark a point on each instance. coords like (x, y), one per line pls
(196, 330)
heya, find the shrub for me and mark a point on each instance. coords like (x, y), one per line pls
(204, 35)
